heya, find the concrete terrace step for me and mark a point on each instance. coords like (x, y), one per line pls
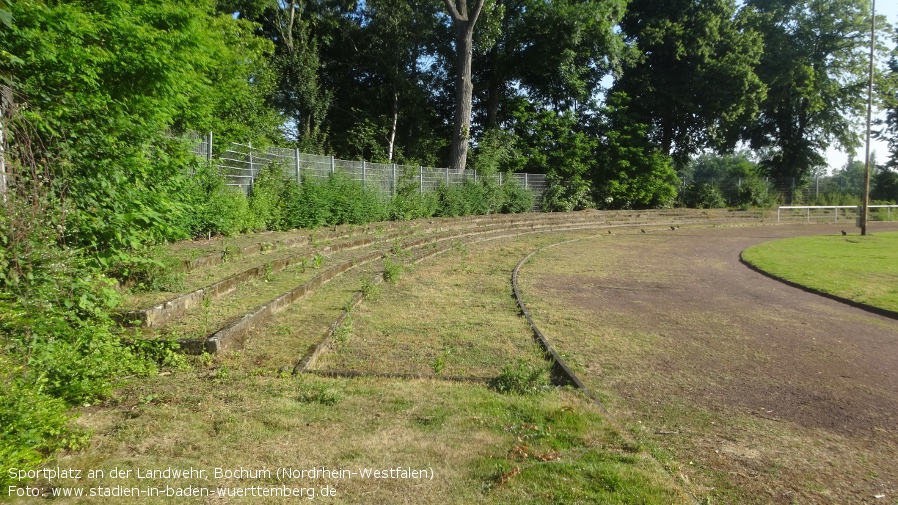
(350, 249)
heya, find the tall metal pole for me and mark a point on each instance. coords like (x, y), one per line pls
(866, 197)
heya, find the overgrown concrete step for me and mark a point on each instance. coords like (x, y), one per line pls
(174, 307)
(234, 333)
(209, 314)
(279, 341)
(158, 314)
(274, 241)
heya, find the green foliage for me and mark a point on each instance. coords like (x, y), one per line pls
(392, 270)
(522, 378)
(885, 186)
(815, 67)
(408, 201)
(107, 83)
(734, 176)
(33, 424)
(270, 198)
(887, 92)
(631, 172)
(704, 195)
(556, 145)
(215, 207)
(515, 198)
(484, 196)
(691, 73)
(151, 271)
(753, 192)
(59, 347)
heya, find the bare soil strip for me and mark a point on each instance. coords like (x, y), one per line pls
(751, 390)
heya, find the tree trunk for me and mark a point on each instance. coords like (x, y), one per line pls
(464, 89)
(5, 105)
(391, 140)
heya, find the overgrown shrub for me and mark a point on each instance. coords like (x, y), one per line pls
(515, 197)
(408, 201)
(704, 196)
(351, 203)
(453, 201)
(214, 207)
(59, 349)
(753, 192)
(565, 195)
(267, 202)
(481, 197)
(33, 424)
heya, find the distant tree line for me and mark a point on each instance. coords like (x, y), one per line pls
(612, 100)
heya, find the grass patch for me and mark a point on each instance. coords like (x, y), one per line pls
(860, 268)
(243, 410)
(450, 315)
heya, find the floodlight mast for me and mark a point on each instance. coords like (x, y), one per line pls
(865, 210)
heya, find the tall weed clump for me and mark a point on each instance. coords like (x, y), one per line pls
(481, 197)
(409, 202)
(334, 201)
(214, 207)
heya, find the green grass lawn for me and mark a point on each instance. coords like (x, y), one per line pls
(860, 268)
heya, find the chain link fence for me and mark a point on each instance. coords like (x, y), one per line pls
(240, 164)
(823, 190)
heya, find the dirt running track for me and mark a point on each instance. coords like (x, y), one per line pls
(762, 392)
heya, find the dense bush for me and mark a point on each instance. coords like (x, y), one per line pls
(409, 202)
(278, 203)
(753, 192)
(515, 197)
(59, 346)
(215, 207)
(703, 195)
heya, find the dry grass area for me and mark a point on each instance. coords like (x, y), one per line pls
(452, 314)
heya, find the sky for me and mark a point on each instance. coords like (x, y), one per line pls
(836, 159)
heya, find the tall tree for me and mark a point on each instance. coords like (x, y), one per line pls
(887, 91)
(555, 53)
(691, 75)
(464, 21)
(815, 69)
(298, 31)
(383, 108)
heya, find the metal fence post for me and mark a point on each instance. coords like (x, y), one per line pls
(252, 173)
(475, 176)
(526, 181)
(333, 167)
(364, 173)
(500, 178)
(296, 157)
(209, 148)
(393, 186)
(447, 176)
(421, 178)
